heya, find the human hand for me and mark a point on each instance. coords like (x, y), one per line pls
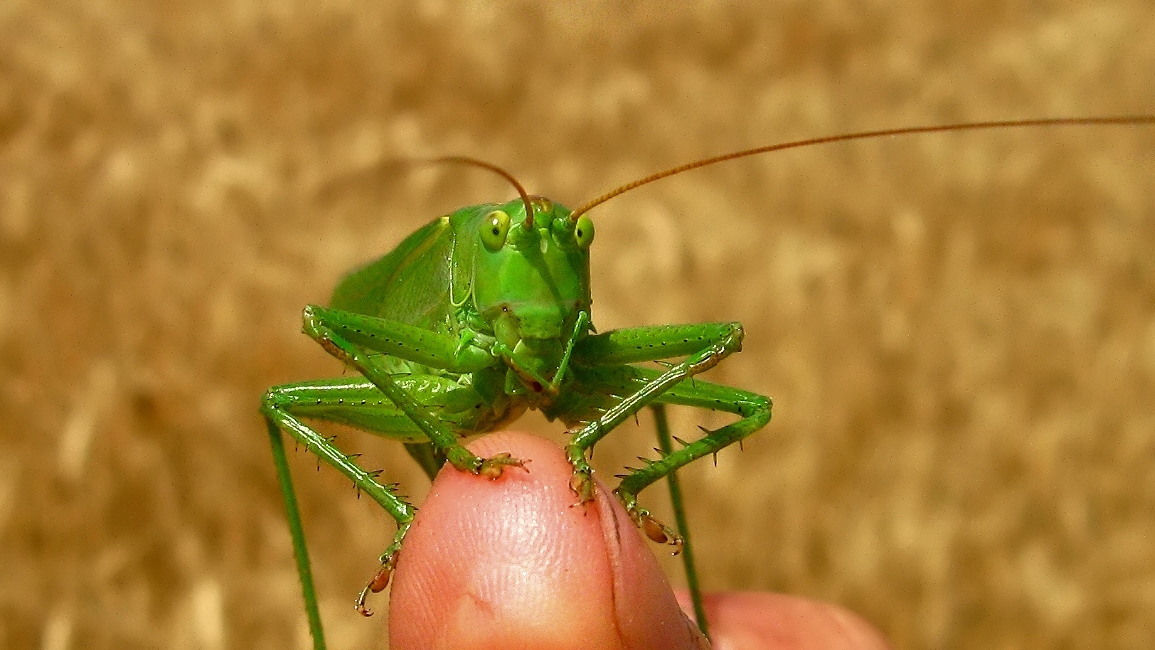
(510, 564)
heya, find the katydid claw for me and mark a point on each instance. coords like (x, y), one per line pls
(654, 529)
(661, 534)
(583, 486)
(375, 585)
(493, 466)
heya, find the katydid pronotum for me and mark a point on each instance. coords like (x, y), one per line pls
(484, 313)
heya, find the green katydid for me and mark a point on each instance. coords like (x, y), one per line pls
(485, 313)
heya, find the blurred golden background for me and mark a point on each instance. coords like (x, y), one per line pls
(958, 331)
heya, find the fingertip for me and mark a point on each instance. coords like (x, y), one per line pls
(511, 563)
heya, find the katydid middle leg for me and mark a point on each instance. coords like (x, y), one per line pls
(603, 372)
(598, 357)
(357, 402)
(638, 382)
(754, 411)
(277, 407)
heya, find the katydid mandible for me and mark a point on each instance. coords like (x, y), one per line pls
(484, 313)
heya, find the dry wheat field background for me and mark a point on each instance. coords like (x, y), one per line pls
(958, 331)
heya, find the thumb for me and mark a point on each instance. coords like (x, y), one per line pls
(509, 563)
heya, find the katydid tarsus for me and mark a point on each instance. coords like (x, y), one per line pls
(484, 313)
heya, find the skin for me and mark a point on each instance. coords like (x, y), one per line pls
(509, 563)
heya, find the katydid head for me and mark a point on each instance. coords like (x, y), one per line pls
(531, 279)
(530, 282)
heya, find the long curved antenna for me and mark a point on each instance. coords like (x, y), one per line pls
(863, 135)
(466, 160)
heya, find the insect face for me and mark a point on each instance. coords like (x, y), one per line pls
(531, 287)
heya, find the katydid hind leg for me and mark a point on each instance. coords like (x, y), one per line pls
(666, 447)
(297, 533)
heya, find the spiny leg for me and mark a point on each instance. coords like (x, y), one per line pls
(705, 346)
(277, 407)
(753, 409)
(351, 337)
(356, 402)
(755, 413)
(607, 374)
(597, 386)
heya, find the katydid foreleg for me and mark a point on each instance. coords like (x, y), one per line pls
(335, 330)
(391, 400)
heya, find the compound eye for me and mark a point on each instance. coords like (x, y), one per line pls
(494, 228)
(583, 231)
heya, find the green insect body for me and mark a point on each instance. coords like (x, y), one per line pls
(485, 313)
(472, 320)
